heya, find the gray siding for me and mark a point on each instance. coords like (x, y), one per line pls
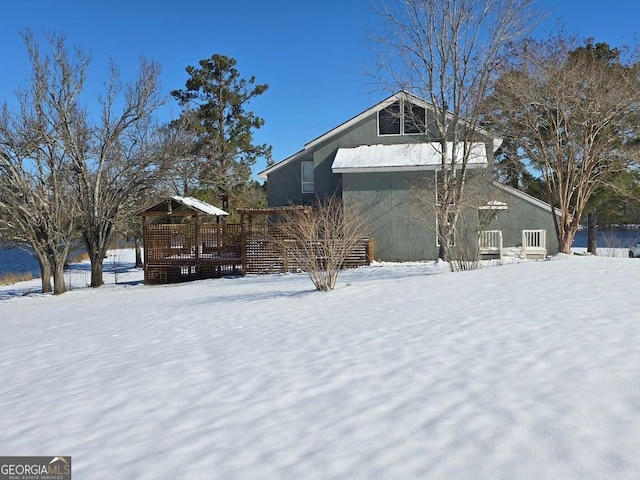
(284, 184)
(284, 187)
(523, 215)
(385, 200)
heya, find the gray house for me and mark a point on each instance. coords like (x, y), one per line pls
(375, 159)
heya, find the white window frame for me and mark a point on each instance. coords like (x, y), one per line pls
(307, 186)
(400, 112)
(402, 106)
(424, 126)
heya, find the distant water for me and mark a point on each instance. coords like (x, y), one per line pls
(609, 238)
(17, 260)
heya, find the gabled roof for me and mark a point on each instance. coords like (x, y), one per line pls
(352, 121)
(197, 204)
(379, 106)
(527, 198)
(191, 203)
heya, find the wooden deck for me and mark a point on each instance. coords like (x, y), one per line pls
(183, 252)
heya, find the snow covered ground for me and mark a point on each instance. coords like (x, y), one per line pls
(406, 371)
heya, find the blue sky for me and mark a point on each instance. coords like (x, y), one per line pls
(314, 55)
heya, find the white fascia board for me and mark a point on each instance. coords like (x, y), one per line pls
(334, 131)
(385, 169)
(263, 174)
(407, 168)
(343, 126)
(527, 197)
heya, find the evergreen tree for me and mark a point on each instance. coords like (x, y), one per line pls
(214, 100)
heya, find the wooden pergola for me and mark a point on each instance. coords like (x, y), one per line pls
(187, 244)
(187, 239)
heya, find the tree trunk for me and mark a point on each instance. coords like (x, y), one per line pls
(565, 242)
(96, 256)
(59, 285)
(592, 233)
(45, 273)
(97, 279)
(225, 202)
(97, 240)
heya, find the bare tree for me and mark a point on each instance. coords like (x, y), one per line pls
(37, 207)
(478, 207)
(114, 160)
(185, 169)
(447, 52)
(573, 111)
(319, 239)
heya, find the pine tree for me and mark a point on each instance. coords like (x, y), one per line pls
(214, 100)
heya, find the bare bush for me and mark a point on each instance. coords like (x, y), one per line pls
(320, 238)
(477, 208)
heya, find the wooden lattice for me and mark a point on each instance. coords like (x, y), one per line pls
(191, 251)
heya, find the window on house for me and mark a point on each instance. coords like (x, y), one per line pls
(393, 120)
(307, 177)
(389, 120)
(414, 118)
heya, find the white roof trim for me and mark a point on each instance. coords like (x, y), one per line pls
(401, 157)
(354, 120)
(334, 131)
(197, 204)
(265, 173)
(379, 106)
(527, 197)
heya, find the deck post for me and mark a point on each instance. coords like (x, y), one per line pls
(198, 245)
(145, 246)
(243, 247)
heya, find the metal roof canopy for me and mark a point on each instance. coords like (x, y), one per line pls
(182, 206)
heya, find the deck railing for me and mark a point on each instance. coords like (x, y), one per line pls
(180, 252)
(534, 243)
(490, 243)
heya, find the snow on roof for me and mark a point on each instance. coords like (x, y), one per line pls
(413, 156)
(497, 141)
(199, 205)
